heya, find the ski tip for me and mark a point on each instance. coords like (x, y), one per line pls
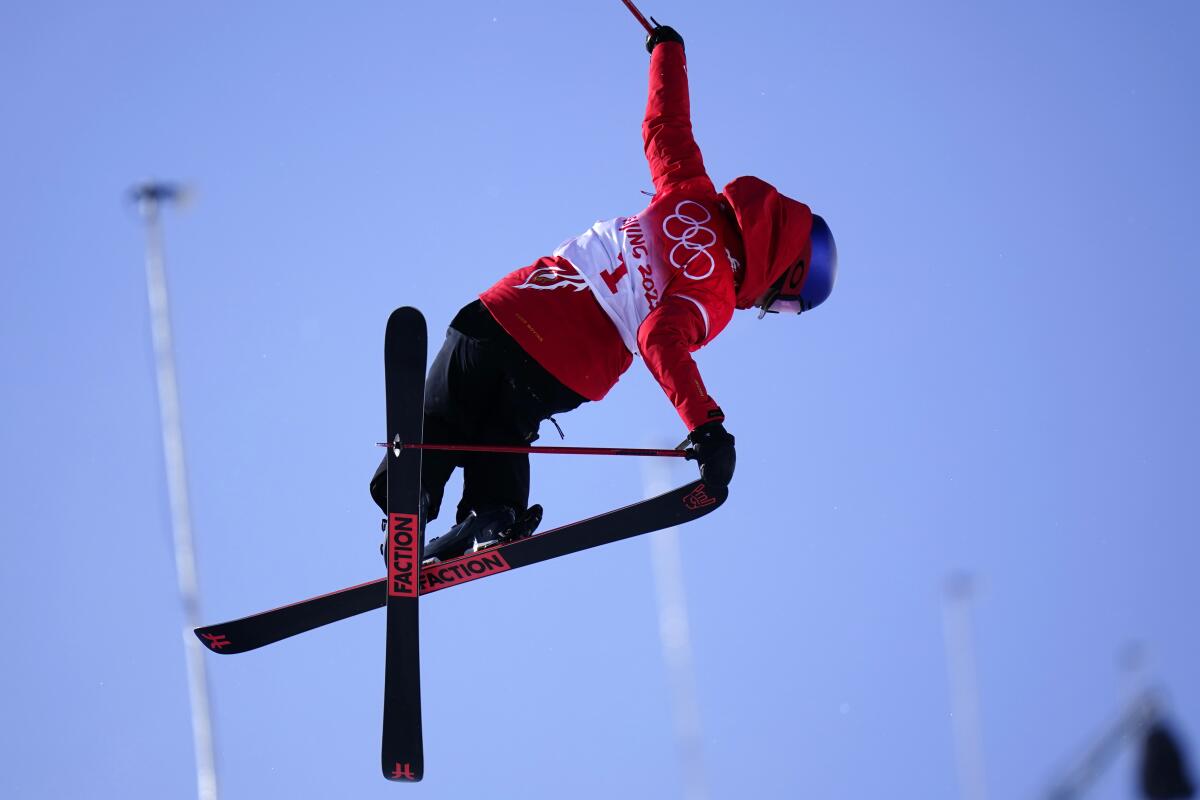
(701, 498)
(215, 640)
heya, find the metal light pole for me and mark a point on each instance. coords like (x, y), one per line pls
(964, 690)
(676, 641)
(150, 198)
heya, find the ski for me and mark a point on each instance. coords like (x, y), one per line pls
(676, 507)
(404, 352)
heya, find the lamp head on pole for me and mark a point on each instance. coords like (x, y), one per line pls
(149, 195)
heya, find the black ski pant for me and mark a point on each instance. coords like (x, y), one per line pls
(482, 388)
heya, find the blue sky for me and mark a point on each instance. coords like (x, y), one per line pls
(1004, 382)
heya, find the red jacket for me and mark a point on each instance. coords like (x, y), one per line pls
(663, 283)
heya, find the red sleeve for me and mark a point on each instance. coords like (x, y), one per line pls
(666, 340)
(667, 129)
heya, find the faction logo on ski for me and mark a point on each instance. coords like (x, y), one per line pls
(403, 772)
(698, 498)
(461, 570)
(216, 641)
(402, 555)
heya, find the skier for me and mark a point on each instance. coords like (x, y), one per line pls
(560, 332)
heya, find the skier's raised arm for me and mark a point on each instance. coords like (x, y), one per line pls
(671, 150)
(680, 324)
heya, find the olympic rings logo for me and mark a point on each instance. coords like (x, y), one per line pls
(692, 237)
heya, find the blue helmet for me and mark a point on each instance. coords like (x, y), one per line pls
(809, 281)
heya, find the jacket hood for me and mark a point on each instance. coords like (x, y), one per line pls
(775, 233)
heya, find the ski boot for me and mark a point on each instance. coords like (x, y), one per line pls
(522, 528)
(479, 531)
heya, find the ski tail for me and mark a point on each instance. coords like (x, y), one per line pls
(267, 627)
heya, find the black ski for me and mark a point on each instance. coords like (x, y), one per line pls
(675, 507)
(404, 353)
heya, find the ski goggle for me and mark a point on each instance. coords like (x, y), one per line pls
(809, 281)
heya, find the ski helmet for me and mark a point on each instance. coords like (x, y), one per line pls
(809, 281)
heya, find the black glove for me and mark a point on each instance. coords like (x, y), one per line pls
(714, 450)
(663, 33)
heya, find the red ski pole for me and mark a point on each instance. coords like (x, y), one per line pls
(558, 451)
(633, 10)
